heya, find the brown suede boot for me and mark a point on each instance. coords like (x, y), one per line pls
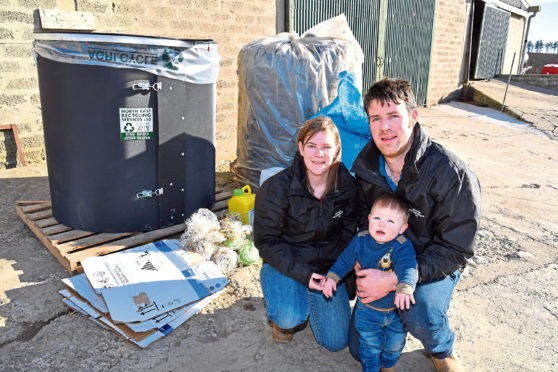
(281, 335)
(385, 369)
(449, 364)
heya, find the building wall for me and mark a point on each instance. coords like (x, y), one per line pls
(231, 23)
(542, 81)
(538, 60)
(515, 41)
(450, 26)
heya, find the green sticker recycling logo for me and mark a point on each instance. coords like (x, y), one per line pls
(172, 59)
(136, 124)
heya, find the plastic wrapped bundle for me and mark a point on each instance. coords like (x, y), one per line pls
(283, 81)
(202, 229)
(237, 245)
(248, 253)
(204, 247)
(233, 228)
(225, 259)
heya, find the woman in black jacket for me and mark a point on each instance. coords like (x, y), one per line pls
(305, 216)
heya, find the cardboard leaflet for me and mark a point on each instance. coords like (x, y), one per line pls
(143, 293)
(144, 282)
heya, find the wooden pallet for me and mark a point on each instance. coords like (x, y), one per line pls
(71, 247)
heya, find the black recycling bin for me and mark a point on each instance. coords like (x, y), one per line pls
(129, 125)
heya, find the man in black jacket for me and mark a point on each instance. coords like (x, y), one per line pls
(444, 200)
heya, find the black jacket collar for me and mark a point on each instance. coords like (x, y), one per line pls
(366, 164)
(298, 184)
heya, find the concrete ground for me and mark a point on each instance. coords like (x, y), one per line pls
(537, 106)
(504, 310)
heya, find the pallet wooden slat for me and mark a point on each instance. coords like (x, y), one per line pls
(223, 195)
(46, 222)
(221, 205)
(22, 203)
(89, 241)
(70, 247)
(55, 229)
(40, 215)
(47, 243)
(36, 207)
(69, 235)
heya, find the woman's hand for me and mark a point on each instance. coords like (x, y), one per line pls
(317, 282)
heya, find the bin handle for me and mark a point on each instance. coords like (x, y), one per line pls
(144, 85)
(149, 193)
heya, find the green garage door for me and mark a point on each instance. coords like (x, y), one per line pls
(395, 35)
(492, 42)
(362, 17)
(408, 43)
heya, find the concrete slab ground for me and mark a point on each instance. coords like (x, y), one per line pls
(504, 310)
(535, 105)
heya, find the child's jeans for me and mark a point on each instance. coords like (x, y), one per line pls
(427, 320)
(382, 337)
(289, 304)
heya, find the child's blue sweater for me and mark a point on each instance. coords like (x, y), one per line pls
(364, 249)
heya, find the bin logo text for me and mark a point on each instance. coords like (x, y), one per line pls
(108, 55)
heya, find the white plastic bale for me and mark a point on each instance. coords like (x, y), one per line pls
(283, 81)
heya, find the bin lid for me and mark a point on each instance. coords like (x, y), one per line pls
(193, 61)
(121, 39)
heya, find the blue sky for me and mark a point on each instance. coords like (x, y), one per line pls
(544, 25)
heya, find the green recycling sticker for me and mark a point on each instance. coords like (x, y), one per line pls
(136, 124)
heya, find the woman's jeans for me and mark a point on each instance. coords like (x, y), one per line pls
(427, 320)
(289, 304)
(382, 337)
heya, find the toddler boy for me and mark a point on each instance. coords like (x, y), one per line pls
(383, 246)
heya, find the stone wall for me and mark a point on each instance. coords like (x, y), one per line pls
(538, 60)
(231, 23)
(448, 41)
(449, 58)
(542, 81)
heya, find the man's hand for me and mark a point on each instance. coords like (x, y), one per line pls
(403, 301)
(317, 282)
(373, 284)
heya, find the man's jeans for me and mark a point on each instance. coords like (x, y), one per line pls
(382, 337)
(289, 304)
(427, 320)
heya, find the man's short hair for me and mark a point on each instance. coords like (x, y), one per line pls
(394, 90)
(393, 202)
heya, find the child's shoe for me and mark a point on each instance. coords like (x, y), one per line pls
(449, 364)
